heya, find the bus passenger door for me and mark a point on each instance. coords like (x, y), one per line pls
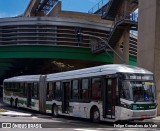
(65, 96)
(109, 98)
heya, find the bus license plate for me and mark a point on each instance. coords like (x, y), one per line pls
(144, 116)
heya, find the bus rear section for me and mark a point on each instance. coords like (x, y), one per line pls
(25, 91)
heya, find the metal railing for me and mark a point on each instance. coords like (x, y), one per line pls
(98, 6)
(134, 16)
(126, 16)
(101, 8)
(105, 42)
(47, 5)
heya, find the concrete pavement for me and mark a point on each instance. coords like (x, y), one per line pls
(8, 112)
(14, 113)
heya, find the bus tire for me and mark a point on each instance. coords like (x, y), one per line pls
(11, 102)
(95, 115)
(16, 103)
(55, 111)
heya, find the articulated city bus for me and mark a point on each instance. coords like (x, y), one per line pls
(107, 93)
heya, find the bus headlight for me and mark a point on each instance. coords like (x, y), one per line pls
(125, 105)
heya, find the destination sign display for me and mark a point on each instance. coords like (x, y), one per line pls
(138, 77)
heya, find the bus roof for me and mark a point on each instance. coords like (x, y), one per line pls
(96, 71)
(26, 78)
(93, 71)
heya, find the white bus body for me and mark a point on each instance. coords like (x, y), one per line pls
(108, 93)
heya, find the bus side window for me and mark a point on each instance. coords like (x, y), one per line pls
(24, 92)
(74, 90)
(21, 88)
(85, 89)
(58, 90)
(53, 90)
(16, 88)
(34, 87)
(125, 91)
(49, 91)
(96, 88)
(5, 87)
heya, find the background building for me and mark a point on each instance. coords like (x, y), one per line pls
(44, 40)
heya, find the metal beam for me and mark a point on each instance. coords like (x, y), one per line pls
(38, 6)
(46, 5)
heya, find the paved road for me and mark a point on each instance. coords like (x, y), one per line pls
(47, 123)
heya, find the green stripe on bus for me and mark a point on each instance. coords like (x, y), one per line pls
(143, 106)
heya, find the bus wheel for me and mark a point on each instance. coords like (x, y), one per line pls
(55, 111)
(16, 103)
(11, 102)
(95, 115)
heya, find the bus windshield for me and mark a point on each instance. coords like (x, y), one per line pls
(138, 91)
